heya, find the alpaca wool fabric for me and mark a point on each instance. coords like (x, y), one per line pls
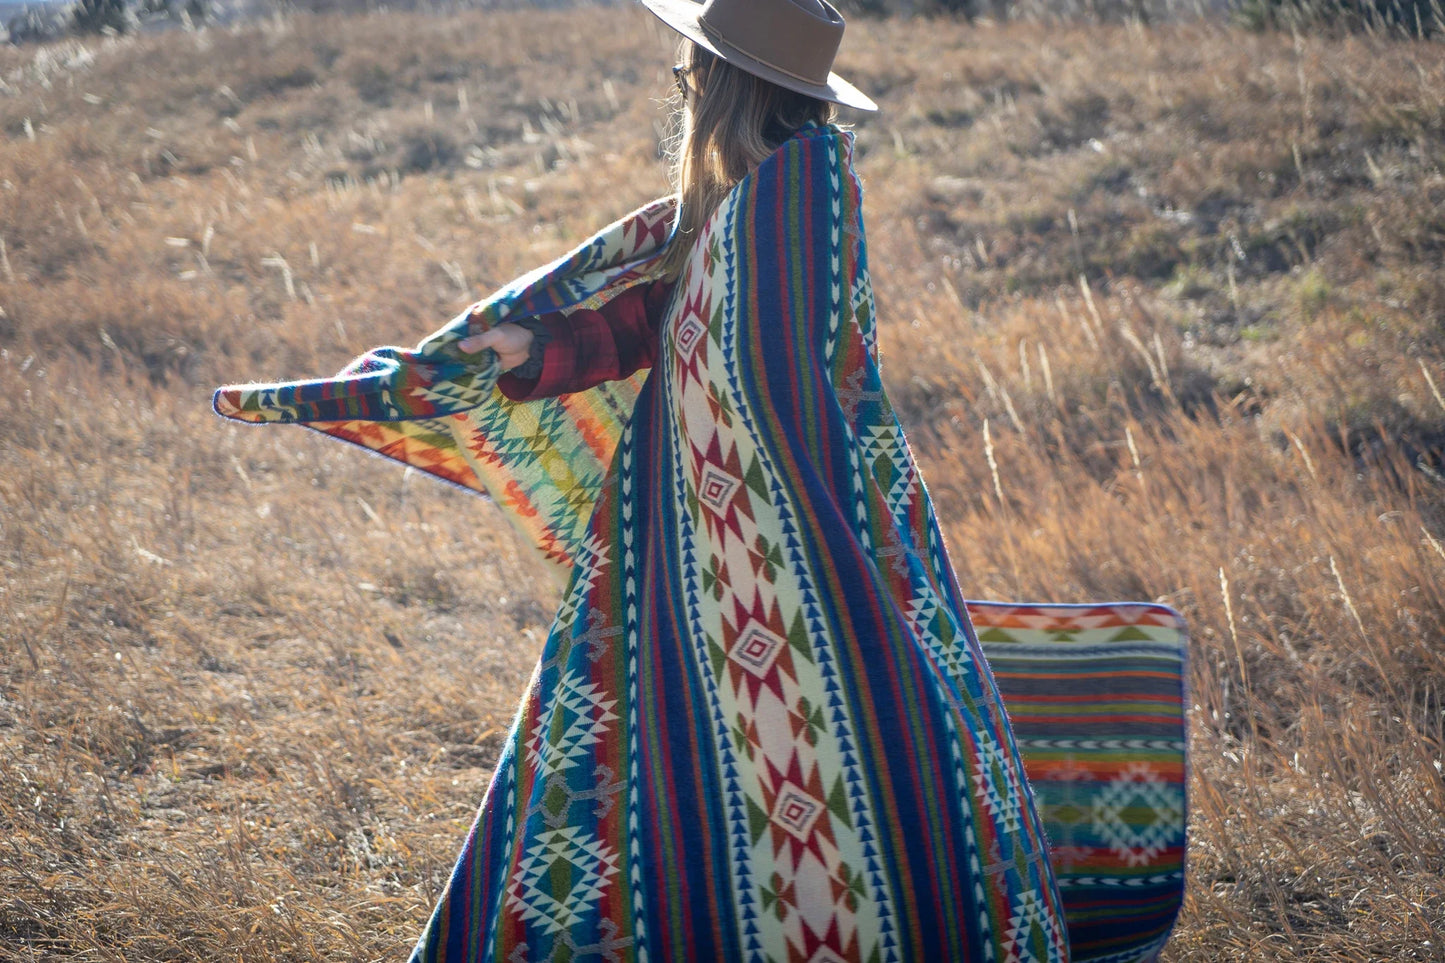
(762, 726)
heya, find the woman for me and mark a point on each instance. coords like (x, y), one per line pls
(761, 727)
(812, 763)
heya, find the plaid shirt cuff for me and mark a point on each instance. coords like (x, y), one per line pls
(587, 347)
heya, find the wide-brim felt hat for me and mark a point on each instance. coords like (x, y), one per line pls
(791, 43)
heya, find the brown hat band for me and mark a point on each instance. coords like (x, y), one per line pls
(805, 38)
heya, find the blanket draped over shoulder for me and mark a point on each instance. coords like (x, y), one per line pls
(763, 726)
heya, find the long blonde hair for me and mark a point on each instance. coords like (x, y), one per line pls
(727, 127)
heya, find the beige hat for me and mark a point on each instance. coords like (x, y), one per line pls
(788, 42)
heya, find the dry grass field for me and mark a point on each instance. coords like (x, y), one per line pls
(1163, 312)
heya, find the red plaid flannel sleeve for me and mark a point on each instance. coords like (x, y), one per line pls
(588, 347)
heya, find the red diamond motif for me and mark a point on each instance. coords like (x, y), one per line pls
(756, 649)
(716, 488)
(796, 811)
(689, 333)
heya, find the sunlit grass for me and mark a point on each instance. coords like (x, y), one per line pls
(1160, 310)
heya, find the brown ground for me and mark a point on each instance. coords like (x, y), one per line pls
(1181, 286)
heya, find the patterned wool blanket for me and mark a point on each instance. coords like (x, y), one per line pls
(763, 726)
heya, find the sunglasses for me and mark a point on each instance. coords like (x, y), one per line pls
(679, 74)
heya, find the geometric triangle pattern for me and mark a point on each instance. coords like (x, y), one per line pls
(437, 409)
(561, 876)
(1096, 697)
(762, 726)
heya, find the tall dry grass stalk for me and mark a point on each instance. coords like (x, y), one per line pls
(1160, 310)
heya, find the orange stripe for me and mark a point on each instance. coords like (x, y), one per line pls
(1038, 699)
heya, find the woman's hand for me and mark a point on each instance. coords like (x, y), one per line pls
(512, 342)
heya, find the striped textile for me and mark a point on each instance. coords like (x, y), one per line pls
(1095, 694)
(762, 726)
(437, 408)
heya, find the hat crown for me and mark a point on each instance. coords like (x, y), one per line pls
(799, 38)
(790, 43)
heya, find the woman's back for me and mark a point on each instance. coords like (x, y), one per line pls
(761, 727)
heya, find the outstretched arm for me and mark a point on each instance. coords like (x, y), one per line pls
(511, 342)
(581, 349)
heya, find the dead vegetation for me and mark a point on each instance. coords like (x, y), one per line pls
(1162, 311)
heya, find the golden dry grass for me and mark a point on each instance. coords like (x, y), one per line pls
(1162, 311)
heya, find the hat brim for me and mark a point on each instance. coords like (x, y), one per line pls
(682, 16)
